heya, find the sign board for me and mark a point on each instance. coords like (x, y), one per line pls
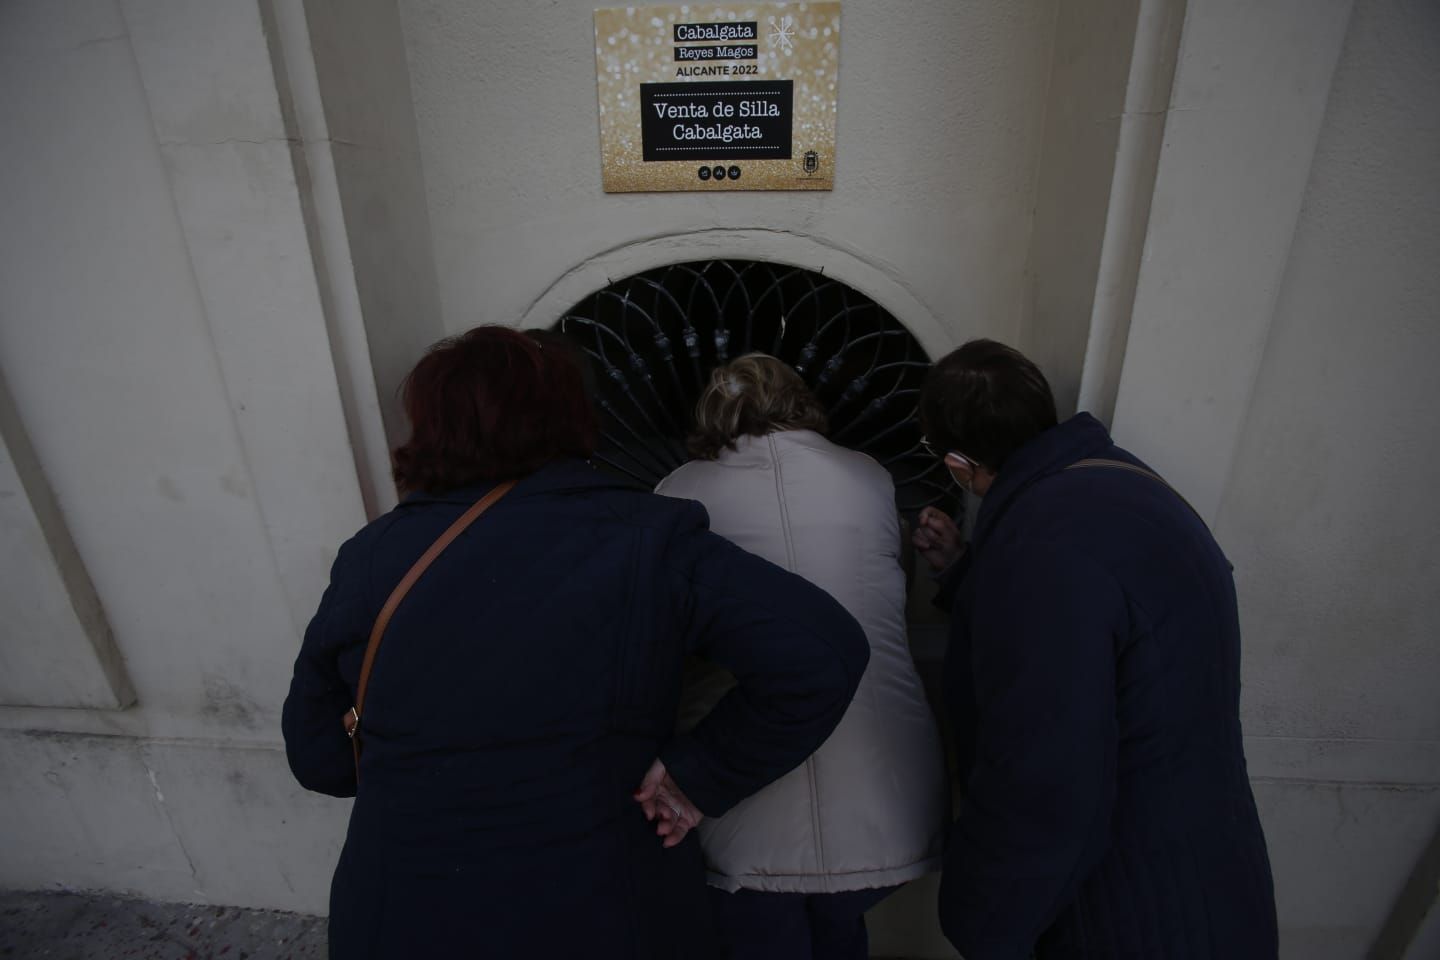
(718, 97)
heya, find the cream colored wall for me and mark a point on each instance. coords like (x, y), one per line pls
(199, 334)
(162, 339)
(1330, 509)
(940, 119)
(1084, 114)
(358, 57)
(1280, 371)
(1246, 106)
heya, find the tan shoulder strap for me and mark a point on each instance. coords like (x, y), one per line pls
(1122, 465)
(352, 719)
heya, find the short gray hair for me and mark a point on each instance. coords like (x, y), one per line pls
(751, 396)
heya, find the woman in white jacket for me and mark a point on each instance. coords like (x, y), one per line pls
(793, 868)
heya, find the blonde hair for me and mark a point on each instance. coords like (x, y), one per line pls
(751, 396)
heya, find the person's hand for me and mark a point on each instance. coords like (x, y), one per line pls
(937, 538)
(664, 801)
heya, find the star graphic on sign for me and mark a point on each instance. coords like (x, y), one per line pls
(783, 33)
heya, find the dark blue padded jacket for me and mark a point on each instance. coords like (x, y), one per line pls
(1093, 680)
(522, 690)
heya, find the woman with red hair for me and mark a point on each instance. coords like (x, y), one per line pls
(518, 760)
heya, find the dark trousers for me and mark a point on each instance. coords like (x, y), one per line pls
(795, 926)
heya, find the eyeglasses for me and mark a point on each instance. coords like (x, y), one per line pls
(931, 449)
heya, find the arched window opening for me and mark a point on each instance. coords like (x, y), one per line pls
(655, 337)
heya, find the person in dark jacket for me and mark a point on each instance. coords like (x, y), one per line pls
(518, 757)
(1093, 679)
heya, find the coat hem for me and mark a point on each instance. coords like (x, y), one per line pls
(824, 882)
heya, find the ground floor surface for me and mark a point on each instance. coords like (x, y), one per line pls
(72, 926)
(75, 926)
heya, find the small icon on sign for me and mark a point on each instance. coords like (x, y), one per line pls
(734, 173)
(812, 161)
(704, 173)
(718, 173)
(783, 34)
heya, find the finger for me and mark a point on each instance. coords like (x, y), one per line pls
(685, 811)
(673, 793)
(676, 837)
(940, 559)
(675, 815)
(653, 778)
(645, 796)
(679, 811)
(649, 787)
(675, 797)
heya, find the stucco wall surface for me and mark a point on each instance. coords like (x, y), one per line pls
(939, 127)
(1279, 372)
(189, 349)
(161, 337)
(1329, 515)
(1339, 453)
(115, 374)
(941, 120)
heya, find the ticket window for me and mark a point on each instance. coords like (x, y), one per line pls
(654, 338)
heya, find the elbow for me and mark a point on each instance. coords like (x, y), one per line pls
(847, 656)
(861, 652)
(322, 764)
(334, 777)
(852, 648)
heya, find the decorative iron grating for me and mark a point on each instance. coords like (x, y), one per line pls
(655, 337)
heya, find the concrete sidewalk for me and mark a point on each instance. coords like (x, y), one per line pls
(70, 926)
(73, 926)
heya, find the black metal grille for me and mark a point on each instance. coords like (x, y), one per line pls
(654, 338)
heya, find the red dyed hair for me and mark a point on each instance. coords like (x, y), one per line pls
(492, 404)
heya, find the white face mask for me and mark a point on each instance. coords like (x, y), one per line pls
(945, 459)
(965, 486)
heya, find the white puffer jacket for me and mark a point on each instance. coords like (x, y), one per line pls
(870, 807)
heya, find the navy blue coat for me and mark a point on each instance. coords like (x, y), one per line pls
(1094, 679)
(521, 692)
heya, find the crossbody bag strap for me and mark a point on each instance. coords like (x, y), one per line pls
(1122, 465)
(352, 719)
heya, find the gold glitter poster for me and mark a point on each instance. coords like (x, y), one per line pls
(718, 96)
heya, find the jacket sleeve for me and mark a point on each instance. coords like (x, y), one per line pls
(315, 742)
(947, 581)
(1036, 819)
(796, 654)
